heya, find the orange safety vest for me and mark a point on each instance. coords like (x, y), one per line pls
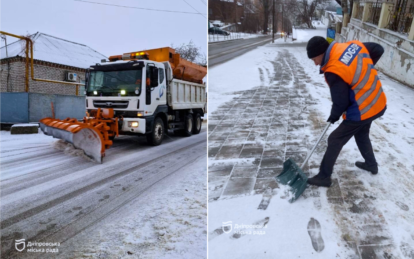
(351, 61)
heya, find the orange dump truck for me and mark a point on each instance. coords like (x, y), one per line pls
(145, 92)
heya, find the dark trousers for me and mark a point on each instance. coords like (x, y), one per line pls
(339, 137)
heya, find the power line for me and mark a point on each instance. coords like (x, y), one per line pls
(203, 2)
(140, 8)
(195, 9)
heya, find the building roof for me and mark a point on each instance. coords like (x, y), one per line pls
(55, 50)
(232, 1)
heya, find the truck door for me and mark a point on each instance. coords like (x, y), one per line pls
(162, 91)
(148, 87)
(155, 87)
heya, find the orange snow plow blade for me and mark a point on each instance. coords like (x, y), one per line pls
(91, 135)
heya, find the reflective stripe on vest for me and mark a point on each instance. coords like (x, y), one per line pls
(366, 109)
(359, 68)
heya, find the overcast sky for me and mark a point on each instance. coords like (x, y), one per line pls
(109, 30)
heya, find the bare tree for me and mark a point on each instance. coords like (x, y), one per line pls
(290, 13)
(251, 21)
(191, 52)
(266, 7)
(307, 8)
(221, 10)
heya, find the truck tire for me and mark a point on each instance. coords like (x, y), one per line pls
(157, 135)
(197, 123)
(188, 125)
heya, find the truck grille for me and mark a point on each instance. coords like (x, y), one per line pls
(111, 104)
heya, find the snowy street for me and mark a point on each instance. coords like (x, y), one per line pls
(142, 201)
(223, 51)
(271, 104)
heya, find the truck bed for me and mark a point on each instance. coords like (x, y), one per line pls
(186, 95)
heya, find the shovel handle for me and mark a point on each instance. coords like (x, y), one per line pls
(317, 142)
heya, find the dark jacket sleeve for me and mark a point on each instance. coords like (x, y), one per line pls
(339, 94)
(375, 51)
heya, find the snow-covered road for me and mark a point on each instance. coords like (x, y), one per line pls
(275, 108)
(50, 196)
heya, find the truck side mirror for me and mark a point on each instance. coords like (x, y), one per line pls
(154, 76)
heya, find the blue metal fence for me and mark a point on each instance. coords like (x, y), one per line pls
(31, 107)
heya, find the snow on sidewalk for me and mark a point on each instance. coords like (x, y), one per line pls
(273, 109)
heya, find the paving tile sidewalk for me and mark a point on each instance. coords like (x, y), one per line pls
(251, 137)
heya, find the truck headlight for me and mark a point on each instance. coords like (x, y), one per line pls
(133, 124)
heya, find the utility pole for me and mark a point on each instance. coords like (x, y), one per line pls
(235, 15)
(283, 28)
(273, 23)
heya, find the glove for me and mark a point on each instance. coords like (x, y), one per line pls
(332, 119)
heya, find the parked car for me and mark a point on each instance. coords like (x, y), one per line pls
(216, 30)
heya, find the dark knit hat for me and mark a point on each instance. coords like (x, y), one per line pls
(316, 46)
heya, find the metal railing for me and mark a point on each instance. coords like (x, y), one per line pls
(375, 12)
(221, 37)
(400, 17)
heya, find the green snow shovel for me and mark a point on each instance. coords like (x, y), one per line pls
(294, 176)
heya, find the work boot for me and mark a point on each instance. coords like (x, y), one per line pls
(373, 168)
(319, 180)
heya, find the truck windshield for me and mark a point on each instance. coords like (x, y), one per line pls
(115, 83)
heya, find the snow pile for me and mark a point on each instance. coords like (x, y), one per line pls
(69, 149)
(23, 125)
(286, 192)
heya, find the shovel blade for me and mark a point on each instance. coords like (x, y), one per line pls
(293, 176)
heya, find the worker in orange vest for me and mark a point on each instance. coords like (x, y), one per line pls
(356, 94)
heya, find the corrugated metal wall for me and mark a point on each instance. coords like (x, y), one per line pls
(31, 107)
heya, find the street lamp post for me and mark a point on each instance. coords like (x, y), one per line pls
(273, 23)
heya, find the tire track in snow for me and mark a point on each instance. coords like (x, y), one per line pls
(12, 220)
(154, 176)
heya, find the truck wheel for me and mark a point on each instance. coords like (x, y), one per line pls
(197, 123)
(188, 125)
(157, 135)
